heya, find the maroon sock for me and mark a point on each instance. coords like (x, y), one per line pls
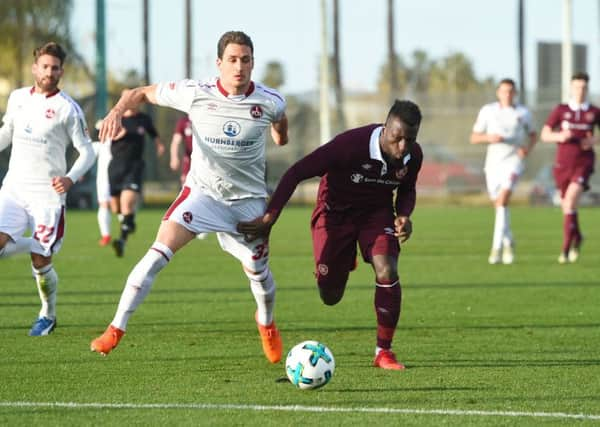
(387, 307)
(576, 238)
(568, 228)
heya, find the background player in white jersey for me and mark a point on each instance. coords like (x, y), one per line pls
(230, 117)
(508, 129)
(40, 122)
(104, 156)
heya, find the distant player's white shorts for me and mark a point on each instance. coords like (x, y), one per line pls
(46, 222)
(200, 213)
(503, 177)
(102, 183)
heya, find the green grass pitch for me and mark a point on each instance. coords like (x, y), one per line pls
(499, 345)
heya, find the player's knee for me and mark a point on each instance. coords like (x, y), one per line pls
(331, 296)
(332, 286)
(385, 272)
(259, 276)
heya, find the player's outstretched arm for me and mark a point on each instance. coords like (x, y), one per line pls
(111, 127)
(258, 227)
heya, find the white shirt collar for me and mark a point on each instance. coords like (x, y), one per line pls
(375, 150)
(583, 107)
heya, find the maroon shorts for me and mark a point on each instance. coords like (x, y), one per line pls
(579, 170)
(335, 236)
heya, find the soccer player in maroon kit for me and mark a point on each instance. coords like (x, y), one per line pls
(360, 169)
(571, 126)
(182, 134)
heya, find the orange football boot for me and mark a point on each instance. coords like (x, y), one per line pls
(107, 341)
(271, 341)
(386, 359)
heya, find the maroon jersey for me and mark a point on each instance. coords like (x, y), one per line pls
(581, 123)
(184, 128)
(351, 178)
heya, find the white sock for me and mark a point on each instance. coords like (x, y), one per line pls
(21, 245)
(262, 286)
(104, 220)
(507, 233)
(140, 282)
(47, 283)
(499, 227)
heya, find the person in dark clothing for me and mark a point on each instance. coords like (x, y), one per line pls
(126, 170)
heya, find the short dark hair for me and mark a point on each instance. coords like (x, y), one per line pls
(507, 81)
(52, 49)
(236, 37)
(407, 111)
(581, 75)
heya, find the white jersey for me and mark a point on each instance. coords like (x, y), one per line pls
(42, 127)
(512, 123)
(229, 135)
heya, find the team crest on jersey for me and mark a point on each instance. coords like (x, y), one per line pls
(401, 173)
(323, 269)
(172, 85)
(367, 166)
(357, 178)
(187, 217)
(140, 130)
(231, 128)
(256, 111)
(50, 113)
(568, 115)
(589, 117)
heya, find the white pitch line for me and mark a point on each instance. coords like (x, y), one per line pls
(297, 408)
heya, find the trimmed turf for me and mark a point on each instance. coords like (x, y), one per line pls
(475, 337)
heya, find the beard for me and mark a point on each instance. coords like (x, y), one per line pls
(47, 84)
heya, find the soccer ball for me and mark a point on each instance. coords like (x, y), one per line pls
(309, 365)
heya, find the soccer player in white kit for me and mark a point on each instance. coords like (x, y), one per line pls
(40, 122)
(230, 116)
(509, 131)
(104, 217)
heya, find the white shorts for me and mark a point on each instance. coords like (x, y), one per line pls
(200, 213)
(46, 222)
(502, 177)
(102, 183)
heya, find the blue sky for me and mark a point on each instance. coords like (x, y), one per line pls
(289, 31)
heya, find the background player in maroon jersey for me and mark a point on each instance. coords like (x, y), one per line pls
(181, 135)
(360, 170)
(571, 126)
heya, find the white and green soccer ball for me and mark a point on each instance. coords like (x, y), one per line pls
(309, 365)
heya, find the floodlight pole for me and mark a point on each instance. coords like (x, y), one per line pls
(567, 49)
(324, 86)
(101, 86)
